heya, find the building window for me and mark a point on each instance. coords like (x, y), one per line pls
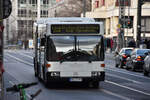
(32, 14)
(32, 1)
(145, 24)
(21, 1)
(44, 13)
(123, 2)
(45, 1)
(22, 13)
(96, 4)
(102, 2)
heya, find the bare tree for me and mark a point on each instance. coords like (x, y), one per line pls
(71, 8)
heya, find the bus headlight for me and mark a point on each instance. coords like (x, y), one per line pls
(55, 74)
(96, 73)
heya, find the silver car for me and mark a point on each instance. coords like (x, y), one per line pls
(146, 66)
(136, 60)
(121, 57)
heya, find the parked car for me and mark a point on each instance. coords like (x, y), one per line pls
(121, 57)
(136, 60)
(146, 66)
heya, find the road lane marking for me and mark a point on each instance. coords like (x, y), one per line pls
(116, 95)
(124, 78)
(26, 93)
(22, 54)
(127, 73)
(20, 60)
(129, 88)
(26, 55)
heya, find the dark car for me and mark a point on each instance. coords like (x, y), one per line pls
(146, 66)
(136, 60)
(121, 57)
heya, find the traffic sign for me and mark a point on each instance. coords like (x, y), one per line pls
(30, 43)
(7, 8)
(118, 25)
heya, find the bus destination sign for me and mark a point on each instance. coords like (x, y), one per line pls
(75, 29)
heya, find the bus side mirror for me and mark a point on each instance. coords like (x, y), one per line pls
(42, 42)
(146, 53)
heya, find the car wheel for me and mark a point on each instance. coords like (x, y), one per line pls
(145, 72)
(133, 68)
(127, 68)
(117, 65)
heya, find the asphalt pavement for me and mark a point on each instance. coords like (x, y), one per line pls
(119, 84)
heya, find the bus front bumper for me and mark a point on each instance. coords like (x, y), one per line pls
(57, 78)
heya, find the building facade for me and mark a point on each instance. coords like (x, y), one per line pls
(68, 8)
(108, 12)
(24, 13)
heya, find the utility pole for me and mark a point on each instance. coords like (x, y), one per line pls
(1, 50)
(120, 42)
(7, 30)
(139, 6)
(84, 8)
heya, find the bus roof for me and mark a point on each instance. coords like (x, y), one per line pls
(63, 19)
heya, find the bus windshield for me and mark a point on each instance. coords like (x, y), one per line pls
(75, 48)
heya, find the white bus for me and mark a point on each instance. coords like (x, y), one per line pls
(70, 50)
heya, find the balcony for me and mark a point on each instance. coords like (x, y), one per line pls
(123, 3)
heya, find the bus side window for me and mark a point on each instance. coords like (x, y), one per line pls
(51, 50)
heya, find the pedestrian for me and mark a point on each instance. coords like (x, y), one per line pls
(132, 43)
(111, 44)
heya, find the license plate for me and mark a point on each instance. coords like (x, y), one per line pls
(75, 79)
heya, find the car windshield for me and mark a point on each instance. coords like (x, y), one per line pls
(75, 48)
(142, 51)
(128, 51)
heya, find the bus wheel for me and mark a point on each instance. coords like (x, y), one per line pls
(95, 84)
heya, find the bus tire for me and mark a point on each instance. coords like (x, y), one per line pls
(46, 83)
(95, 84)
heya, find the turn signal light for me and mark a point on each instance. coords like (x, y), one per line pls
(48, 65)
(102, 65)
(139, 57)
(124, 56)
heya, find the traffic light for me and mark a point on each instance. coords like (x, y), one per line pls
(130, 24)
